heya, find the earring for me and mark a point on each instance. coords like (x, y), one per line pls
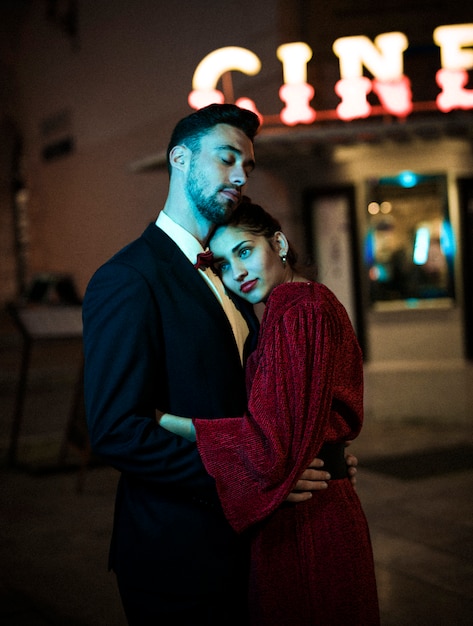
(284, 259)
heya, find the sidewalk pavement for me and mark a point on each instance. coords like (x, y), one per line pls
(415, 481)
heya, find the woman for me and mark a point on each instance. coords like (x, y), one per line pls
(311, 563)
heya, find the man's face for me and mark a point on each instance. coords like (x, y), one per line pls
(219, 171)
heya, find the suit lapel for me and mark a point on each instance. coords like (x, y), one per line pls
(177, 265)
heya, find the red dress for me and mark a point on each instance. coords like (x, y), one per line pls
(311, 563)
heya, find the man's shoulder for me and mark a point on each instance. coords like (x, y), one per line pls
(139, 246)
(151, 247)
(140, 255)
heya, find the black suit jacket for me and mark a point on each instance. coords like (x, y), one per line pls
(155, 336)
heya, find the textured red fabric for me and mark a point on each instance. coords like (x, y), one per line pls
(312, 563)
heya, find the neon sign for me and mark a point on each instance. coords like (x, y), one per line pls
(211, 68)
(383, 58)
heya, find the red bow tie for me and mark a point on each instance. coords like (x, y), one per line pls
(204, 259)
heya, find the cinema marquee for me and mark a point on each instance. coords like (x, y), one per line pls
(383, 58)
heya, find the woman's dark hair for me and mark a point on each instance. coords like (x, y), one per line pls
(254, 219)
(190, 129)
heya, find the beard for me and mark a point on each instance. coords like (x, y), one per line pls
(211, 206)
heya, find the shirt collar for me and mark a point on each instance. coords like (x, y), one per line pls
(181, 237)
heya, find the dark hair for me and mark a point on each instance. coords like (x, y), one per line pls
(254, 219)
(190, 129)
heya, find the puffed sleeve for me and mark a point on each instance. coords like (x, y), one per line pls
(257, 459)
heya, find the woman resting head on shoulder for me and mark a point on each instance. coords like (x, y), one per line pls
(305, 401)
(252, 255)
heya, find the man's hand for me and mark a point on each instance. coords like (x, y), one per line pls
(314, 478)
(352, 462)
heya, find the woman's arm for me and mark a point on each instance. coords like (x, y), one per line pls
(181, 426)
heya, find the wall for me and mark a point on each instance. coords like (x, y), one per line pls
(117, 90)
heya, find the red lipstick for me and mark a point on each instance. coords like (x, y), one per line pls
(248, 285)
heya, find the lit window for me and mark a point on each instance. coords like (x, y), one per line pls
(409, 247)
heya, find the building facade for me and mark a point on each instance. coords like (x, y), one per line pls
(378, 198)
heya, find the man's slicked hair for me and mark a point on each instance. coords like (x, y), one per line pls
(191, 128)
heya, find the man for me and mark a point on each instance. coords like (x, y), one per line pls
(161, 335)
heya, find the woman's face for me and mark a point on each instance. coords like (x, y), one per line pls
(248, 264)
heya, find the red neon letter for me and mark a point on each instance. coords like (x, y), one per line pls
(211, 68)
(296, 93)
(384, 59)
(455, 60)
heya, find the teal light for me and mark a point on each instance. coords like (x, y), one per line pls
(447, 240)
(408, 179)
(421, 246)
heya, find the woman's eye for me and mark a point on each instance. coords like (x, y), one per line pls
(245, 252)
(223, 267)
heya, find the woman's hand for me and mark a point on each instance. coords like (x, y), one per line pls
(177, 425)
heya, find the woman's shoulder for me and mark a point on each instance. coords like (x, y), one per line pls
(292, 298)
(300, 291)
